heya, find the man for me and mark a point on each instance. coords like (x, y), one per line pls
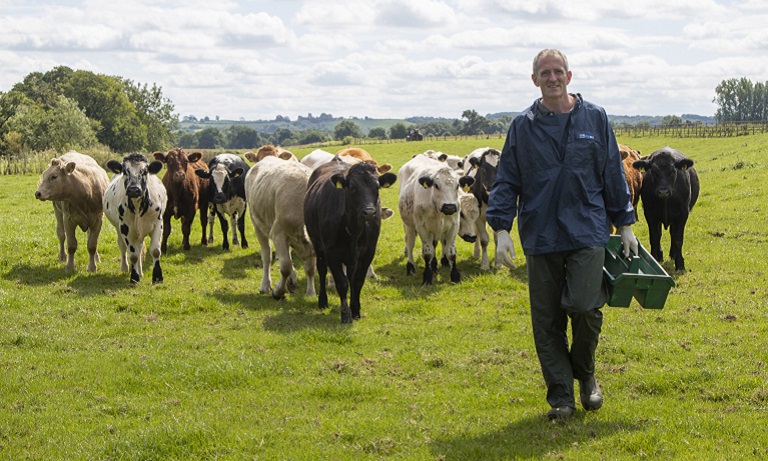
(560, 173)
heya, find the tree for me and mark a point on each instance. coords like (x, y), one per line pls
(242, 137)
(741, 100)
(283, 137)
(155, 112)
(68, 127)
(475, 124)
(398, 131)
(346, 128)
(185, 139)
(377, 133)
(210, 138)
(312, 136)
(103, 99)
(672, 120)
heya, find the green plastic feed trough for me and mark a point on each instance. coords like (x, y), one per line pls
(640, 276)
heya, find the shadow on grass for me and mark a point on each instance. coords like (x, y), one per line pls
(533, 437)
(36, 275)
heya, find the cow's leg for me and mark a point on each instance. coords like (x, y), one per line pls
(166, 230)
(342, 286)
(654, 235)
(322, 272)
(455, 274)
(483, 240)
(203, 224)
(676, 233)
(93, 240)
(428, 253)
(134, 256)
(155, 252)
(60, 233)
(186, 229)
(266, 262)
(410, 242)
(241, 228)
(211, 221)
(287, 280)
(122, 245)
(233, 222)
(69, 231)
(224, 230)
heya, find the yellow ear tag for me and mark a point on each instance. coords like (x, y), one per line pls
(425, 186)
(338, 185)
(466, 188)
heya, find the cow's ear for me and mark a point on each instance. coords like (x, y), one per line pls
(461, 164)
(159, 156)
(339, 181)
(115, 167)
(383, 168)
(466, 182)
(442, 157)
(387, 179)
(194, 156)
(426, 182)
(237, 173)
(203, 174)
(155, 167)
(685, 163)
(640, 165)
(69, 167)
(475, 162)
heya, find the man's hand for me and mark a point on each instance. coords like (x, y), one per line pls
(628, 241)
(505, 250)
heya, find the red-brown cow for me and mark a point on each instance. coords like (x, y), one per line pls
(186, 193)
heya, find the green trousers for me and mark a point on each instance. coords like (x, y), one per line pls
(561, 286)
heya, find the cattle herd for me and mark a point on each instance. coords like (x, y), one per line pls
(325, 208)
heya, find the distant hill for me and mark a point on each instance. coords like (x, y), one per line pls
(327, 122)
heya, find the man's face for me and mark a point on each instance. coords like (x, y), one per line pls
(551, 77)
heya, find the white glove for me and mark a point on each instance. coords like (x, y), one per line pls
(628, 241)
(504, 249)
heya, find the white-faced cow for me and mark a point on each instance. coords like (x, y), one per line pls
(270, 151)
(226, 196)
(429, 207)
(342, 212)
(274, 190)
(481, 164)
(75, 184)
(186, 193)
(134, 203)
(670, 190)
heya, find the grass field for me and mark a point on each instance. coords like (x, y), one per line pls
(204, 367)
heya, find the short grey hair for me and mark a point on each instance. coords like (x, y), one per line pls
(549, 52)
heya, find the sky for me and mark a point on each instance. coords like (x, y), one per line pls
(257, 59)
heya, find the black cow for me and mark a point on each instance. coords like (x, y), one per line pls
(482, 165)
(342, 214)
(226, 196)
(669, 192)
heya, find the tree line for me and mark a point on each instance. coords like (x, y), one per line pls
(66, 109)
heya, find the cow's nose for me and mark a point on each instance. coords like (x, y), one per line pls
(133, 191)
(369, 213)
(38, 194)
(219, 198)
(448, 208)
(469, 238)
(663, 193)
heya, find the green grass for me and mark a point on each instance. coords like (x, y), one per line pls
(204, 367)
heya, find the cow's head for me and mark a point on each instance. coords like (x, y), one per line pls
(221, 181)
(56, 180)
(444, 184)
(470, 212)
(135, 168)
(177, 161)
(361, 182)
(661, 169)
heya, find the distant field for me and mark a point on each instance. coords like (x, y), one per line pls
(204, 367)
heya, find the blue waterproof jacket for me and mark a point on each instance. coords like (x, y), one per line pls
(562, 176)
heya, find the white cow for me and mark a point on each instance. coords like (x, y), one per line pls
(75, 184)
(275, 190)
(453, 161)
(134, 203)
(429, 206)
(318, 157)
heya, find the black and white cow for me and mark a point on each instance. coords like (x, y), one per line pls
(342, 213)
(669, 192)
(134, 203)
(482, 164)
(226, 196)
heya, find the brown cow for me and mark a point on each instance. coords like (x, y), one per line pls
(270, 151)
(186, 193)
(76, 184)
(363, 155)
(634, 177)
